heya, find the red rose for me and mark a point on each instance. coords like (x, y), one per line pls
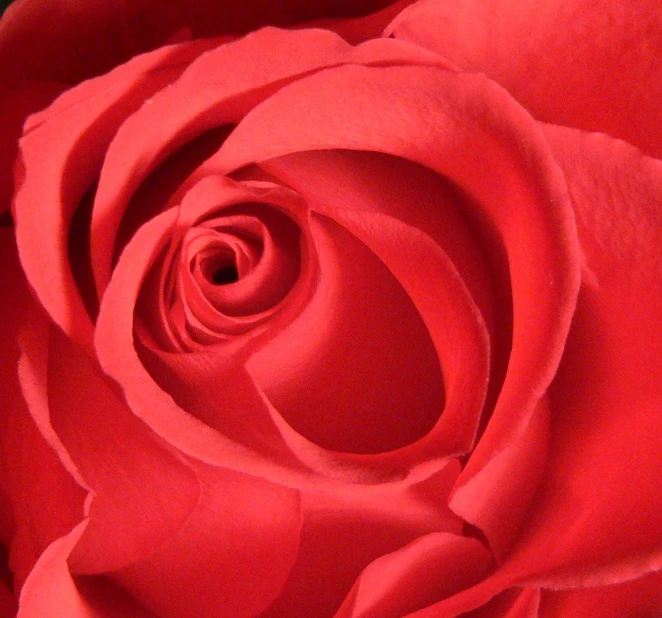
(319, 322)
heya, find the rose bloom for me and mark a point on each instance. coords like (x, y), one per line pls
(331, 309)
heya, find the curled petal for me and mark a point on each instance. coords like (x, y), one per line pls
(432, 567)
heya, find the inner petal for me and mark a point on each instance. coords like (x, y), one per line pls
(357, 371)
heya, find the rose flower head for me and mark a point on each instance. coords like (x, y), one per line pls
(330, 309)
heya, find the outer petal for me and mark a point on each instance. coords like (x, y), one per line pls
(154, 519)
(602, 486)
(62, 150)
(111, 34)
(17, 101)
(582, 64)
(44, 494)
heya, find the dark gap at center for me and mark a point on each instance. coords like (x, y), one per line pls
(225, 274)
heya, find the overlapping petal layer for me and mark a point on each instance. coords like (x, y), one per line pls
(580, 64)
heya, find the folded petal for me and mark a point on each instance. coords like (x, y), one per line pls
(43, 493)
(580, 64)
(429, 569)
(232, 556)
(385, 522)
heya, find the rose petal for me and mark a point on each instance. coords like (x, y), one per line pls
(452, 124)
(512, 603)
(17, 101)
(433, 567)
(357, 190)
(62, 151)
(639, 597)
(112, 35)
(51, 591)
(383, 522)
(232, 556)
(581, 64)
(44, 493)
(131, 475)
(164, 125)
(602, 483)
(343, 373)
(150, 509)
(370, 181)
(505, 487)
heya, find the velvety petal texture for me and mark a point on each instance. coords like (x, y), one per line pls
(580, 64)
(320, 319)
(601, 484)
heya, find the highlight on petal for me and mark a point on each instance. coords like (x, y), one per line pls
(581, 64)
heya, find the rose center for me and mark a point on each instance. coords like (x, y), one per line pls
(224, 274)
